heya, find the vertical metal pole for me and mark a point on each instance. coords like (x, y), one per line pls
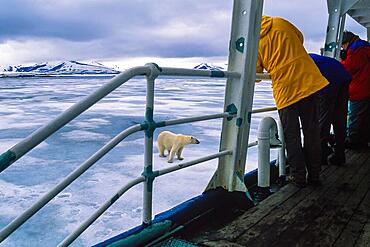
(243, 51)
(335, 28)
(281, 152)
(148, 155)
(148, 148)
(340, 35)
(368, 34)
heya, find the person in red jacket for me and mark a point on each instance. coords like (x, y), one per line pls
(356, 59)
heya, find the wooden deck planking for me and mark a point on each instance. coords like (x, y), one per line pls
(334, 214)
(287, 228)
(276, 210)
(275, 202)
(356, 226)
(279, 219)
(233, 230)
(364, 239)
(338, 209)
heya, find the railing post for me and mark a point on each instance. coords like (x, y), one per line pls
(243, 51)
(281, 153)
(148, 144)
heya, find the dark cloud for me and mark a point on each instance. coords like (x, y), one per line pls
(84, 29)
(122, 27)
(31, 19)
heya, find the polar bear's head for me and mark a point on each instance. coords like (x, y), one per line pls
(190, 139)
(193, 140)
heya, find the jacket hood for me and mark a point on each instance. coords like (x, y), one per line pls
(358, 43)
(266, 24)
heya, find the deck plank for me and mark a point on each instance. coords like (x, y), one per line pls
(364, 239)
(254, 215)
(223, 243)
(285, 228)
(233, 230)
(354, 230)
(334, 214)
(338, 211)
(262, 232)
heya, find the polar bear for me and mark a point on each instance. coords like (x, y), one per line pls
(174, 144)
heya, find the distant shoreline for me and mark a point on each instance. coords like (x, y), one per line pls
(55, 75)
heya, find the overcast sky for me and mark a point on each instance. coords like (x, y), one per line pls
(133, 32)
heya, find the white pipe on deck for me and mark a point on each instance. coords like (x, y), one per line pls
(267, 135)
(281, 160)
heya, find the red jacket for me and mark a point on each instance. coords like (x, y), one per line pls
(357, 63)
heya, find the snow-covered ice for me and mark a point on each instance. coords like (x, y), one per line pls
(28, 103)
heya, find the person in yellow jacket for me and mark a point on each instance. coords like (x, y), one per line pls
(295, 82)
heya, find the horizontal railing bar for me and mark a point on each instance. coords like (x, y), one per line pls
(252, 144)
(70, 238)
(17, 222)
(267, 109)
(211, 116)
(198, 72)
(196, 119)
(208, 73)
(263, 76)
(192, 162)
(45, 131)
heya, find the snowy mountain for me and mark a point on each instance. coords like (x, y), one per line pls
(59, 68)
(206, 66)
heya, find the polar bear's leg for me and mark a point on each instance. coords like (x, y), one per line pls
(161, 150)
(172, 154)
(179, 153)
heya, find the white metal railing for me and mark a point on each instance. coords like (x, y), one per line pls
(21, 148)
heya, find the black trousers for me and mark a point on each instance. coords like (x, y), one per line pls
(333, 111)
(307, 157)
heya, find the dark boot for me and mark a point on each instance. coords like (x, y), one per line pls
(336, 159)
(326, 150)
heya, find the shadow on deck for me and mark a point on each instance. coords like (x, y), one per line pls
(334, 214)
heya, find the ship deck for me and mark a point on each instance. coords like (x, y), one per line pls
(337, 213)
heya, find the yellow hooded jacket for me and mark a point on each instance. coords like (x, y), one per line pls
(281, 52)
